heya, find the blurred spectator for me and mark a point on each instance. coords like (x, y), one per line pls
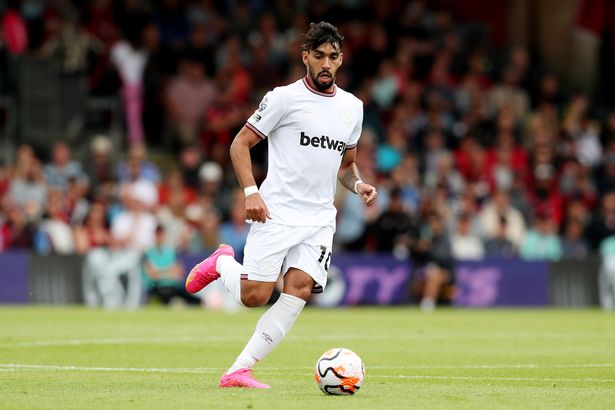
(211, 178)
(189, 95)
(172, 20)
(491, 216)
(14, 30)
(393, 225)
(464, 245)
(431, 255)
(389, 155)
(72, 44)
(106, 270)
(190, 161)
(541, 242)
(174, 186)
(129, 57)
(385, 86)
(144, 190)
(99, 166)
(200, 47)
(207, 237)
(607, 273)
(137, 157)
(510, 94)
(602, 224)
(235, 231)
(444, 175)
(94, 232)
(157, 70)
(55, 235)
(101, 21)
(229, 112)
(352, 221)
(499, 246)
(172, 212)
(574, 246)
(406, 176)
(134, 227)
(5, 178)
(17, 230)
(77, 204)
(606, 174)
(28, 189)
(576, 184)
(164, 275)
(62, 168)
(546, 198)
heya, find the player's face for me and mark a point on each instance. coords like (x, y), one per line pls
(322, 64)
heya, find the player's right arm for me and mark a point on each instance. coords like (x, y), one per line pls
(256, 209)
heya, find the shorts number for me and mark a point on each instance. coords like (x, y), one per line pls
(322, 257)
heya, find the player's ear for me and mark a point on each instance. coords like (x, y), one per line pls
(341, 58)
(304, 57)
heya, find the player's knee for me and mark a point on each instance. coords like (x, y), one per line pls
(254, 299)
(303, 291)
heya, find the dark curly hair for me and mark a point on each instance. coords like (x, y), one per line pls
(321, 33)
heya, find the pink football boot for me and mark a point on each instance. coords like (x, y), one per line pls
(205, 272)
(241, 378)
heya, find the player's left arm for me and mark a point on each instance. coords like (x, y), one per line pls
(348, 175)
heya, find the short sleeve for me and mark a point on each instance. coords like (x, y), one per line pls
(269, 113)
(356, 131)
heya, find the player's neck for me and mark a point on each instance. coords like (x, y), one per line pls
(310, 84)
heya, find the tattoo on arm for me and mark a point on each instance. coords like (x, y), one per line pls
(349, 176)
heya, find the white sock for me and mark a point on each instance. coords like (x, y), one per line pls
(270, 330)
(230, 272)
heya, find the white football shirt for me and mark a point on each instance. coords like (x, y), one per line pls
(308, 133)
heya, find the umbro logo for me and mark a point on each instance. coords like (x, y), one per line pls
(266, 337)
(323, 142)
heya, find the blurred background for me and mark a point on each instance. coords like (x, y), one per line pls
(489, 131)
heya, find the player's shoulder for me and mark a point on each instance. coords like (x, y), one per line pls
(286, 89)
(350, 98)
(279, 95)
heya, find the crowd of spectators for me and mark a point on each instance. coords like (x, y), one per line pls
(476, 151)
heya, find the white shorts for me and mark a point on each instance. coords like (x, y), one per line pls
(272, 249)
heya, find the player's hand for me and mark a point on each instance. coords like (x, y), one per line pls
(367, 193)
(256, 210)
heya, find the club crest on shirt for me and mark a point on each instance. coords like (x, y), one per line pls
(263, 105)
(346, 115)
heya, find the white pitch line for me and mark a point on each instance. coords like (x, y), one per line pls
(16, 366)
(470, 378)
(114, 341)
(295, 339)
(501, 366)
(277, 370)
(13, 366)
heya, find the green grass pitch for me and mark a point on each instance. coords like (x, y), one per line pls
(74, 358)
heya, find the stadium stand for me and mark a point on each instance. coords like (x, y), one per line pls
(461, 125)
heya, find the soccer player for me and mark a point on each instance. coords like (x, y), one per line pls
(313, 127)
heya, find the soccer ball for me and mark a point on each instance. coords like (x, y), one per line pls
(339, 371)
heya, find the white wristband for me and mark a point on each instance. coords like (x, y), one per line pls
(356, 184)
(250, 190)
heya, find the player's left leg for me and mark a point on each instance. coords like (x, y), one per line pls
(305, 265)
(272, 327)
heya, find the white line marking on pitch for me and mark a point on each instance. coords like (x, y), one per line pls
(501, 366)
(520, 379)
(224, 339)
(216, 370)
(13, 366)
(114, 341)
